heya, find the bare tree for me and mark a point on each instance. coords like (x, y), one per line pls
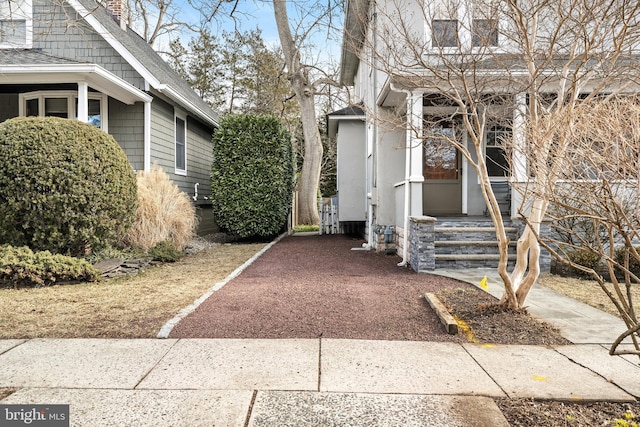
(501, 65)
(594, 187)
(306, 84)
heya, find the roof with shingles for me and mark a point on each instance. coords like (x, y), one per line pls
(149, 58)
(31, 56)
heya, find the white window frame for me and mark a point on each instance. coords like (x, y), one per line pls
(181, 115)
(18, 10)
(71, 97)
(485, 144)
(463, 13)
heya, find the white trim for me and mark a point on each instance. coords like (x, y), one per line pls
(147, 136)
(146, 74)
(83, 103)
(94, 75)
(114, 43)
(186, 104)
(23, 12)
(179, 114)
(71, 96)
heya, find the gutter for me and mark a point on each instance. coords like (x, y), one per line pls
(174, 95)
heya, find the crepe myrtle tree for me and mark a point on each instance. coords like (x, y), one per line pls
(510, 63)
(592, 196)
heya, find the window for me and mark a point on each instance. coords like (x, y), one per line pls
(64, 104)
(13, 32)
(95, 108)
(444, 33)
(484, 32)
(15, 24)
(497, 162)
(56, 107)
(181, 146)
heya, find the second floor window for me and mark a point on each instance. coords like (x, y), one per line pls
(444, 33)
(13, 32)
(484, 32)
(15, 24)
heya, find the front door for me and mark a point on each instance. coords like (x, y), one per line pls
(442, 193)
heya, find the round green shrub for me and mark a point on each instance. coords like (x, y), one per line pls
(252, 175)
(634, 265)
(584, 258)
(65, 186)
(22, 267)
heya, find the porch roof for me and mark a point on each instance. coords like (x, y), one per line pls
(28, 66)
(353, 112)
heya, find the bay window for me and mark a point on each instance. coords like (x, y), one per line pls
(64, 104)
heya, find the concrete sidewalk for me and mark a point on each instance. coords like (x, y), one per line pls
(316, 382)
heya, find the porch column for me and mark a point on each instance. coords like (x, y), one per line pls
(83, 102)
(414, 145)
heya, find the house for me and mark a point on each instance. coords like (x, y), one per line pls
(79, 59)
(418, 71)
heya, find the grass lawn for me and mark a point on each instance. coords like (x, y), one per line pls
(135, 307)
(587, 291)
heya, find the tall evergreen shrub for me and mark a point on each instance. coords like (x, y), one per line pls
(65, 186)
(252, 175)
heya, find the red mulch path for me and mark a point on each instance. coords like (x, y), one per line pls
(312, 286)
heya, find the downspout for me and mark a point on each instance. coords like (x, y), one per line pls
(147, 136)
(407, 178)
(374, 150)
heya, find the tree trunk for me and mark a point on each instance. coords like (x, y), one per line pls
(310, 175)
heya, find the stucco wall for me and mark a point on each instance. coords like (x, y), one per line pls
(352, 202)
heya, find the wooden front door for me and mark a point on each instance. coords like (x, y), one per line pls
(442, 193)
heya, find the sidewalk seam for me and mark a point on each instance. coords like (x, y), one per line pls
(155, 365)
(485, 371)
(250, 410)
(168, 327)
(609, 380)
(319, 363)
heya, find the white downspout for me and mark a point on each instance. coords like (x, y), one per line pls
(374, 152)
(147, 136)
(407, 176)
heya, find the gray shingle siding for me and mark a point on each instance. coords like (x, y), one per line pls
(199, 149)
(199, 156)
(162, 136)
(126, 124)
(60, 31)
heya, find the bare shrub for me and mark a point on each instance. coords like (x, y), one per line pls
(164, 212)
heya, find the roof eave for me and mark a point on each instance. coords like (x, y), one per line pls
(355, 27)
(94, 75)
(184, 103)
